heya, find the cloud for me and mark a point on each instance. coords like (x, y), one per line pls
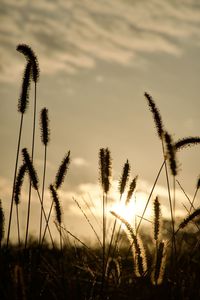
(72, 35)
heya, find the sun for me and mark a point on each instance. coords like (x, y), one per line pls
(128, 212)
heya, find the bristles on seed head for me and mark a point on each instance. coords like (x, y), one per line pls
(157, 214)
(31, 170)
(32, 58)
(24, 96)
(19, 182)
(124, 177)
(156, 115)
(131, 189)
(137, 247)
(60, 176)
(191, 217)
(56, 203)
(159, 266)
(187, 142)
(105, 169)
(44, 125)
(171, 153)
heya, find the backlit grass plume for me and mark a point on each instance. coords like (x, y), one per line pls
(156, 115)
(2, 223)
(19, 182)
(187, 142)
(171, 153)
(157, 215)
(44, 125)
(30, 168)
(159, 266)
(105, 168)
(24, 96)
(32, 58)
(137, 247)
(56, 204)
(113, 271)
(131, 189)
(60, 176)
(124, 177)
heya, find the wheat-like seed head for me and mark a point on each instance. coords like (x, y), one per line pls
(159, 265)
(24, 96)
(187, 142)
(56, 204)
(32, 58)
(191, 217)
(62, 171)
(19, 182)
(171, 153)
(105, 169)
(124, 178)
(131, 189)
(31, 170)
(44, 125)
(137, 247)
(156, 115)
(157, 214)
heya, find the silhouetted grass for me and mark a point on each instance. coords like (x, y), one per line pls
(128, 263)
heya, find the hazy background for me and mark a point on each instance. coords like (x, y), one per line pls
(97, 58)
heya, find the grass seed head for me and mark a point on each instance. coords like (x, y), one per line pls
(31, 170)
(44, 125)
(19, 182)
(24, 96)
(62, 171)
(156, 115)
(124, 178)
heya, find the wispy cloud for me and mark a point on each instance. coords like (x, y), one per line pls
(73, 35)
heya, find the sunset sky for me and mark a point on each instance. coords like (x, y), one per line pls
(97, 58)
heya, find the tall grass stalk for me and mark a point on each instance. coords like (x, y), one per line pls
(44, 124)
(22, 107)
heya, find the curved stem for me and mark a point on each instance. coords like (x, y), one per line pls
(43, 184)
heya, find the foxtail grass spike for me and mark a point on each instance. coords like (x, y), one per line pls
(187, 142)
(159, 269)
(138, 251)
(44, 124)
(124, 177)
(32, 173)
(191, 217)
(32, 58)
(157, 214)
(56, 204)
(171, 153)
(105, 168)
(113, 270)
(60, 176)
(19, 182)
(131, 189)
(156, 115)
(102, 166)
(2, 223)
(24, 96)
